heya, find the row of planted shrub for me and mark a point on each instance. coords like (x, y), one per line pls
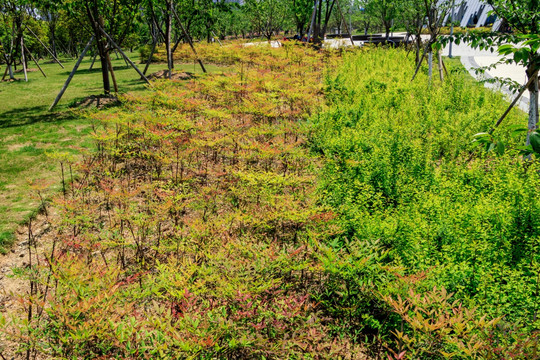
(439, 250)
(193, 229)
(204, 226)
(230, 53)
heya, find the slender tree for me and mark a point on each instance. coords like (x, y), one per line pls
(524, 17)
(412, 15)
(49, 10)
(386, 10)
(13, 16)
(436, 12)
(323, 13)
(519, 46)
(266, 16)
(301, 11)
(114, 17)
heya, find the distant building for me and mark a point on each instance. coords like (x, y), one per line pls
(474, 13)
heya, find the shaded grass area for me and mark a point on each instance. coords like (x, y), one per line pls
(28, 131)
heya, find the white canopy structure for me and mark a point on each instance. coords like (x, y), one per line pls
(474, 13)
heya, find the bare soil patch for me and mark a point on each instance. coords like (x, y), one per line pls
(33, 240)
(99, 101)
(11, 80)
(163, 74)
(15, 147)
(20, 71)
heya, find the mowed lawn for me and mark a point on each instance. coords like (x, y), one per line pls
(29, 133)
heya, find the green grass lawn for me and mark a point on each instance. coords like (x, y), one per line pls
(28, 131)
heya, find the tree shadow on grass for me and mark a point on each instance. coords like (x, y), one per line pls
(31, 115)
(136, 84)
(95, 70)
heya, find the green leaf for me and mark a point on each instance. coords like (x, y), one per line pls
(499, 150)
(506, 49)
(517, 130)
(482, 135)
(535, 141)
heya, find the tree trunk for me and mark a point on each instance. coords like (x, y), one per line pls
(418, 48)
(440, 62)
(101, 45)
(430, 64)
(93, 62)
(10, 69)
(149, 61)
(328, 13)
(318, 23)
(66, 84)
(23, 60)
(53, 41)
(533, 102)
(168, 30)
(109, 63)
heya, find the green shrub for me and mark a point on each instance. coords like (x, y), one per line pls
(401, 170)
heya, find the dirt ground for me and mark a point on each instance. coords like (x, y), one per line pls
(33, 241)
(175, 75)
(99, 101)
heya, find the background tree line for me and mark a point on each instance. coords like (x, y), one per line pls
(41, 28)
(66, 25)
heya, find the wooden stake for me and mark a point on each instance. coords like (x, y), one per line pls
(46, 48)
(5, 73)
(35, 61)
(439, 57)
(117, 57)
(150, 57)
(125, 56)
(23, 59)
(421, 60)
(112, 73)
(189, 39)
(155, 40)
(345, 22)
(176, 44)
(430, 65)
(7, 63)
(521, 92)
(217, 38)
(312, 23)
(444, 67)
(168, 31)
(6, 57)
(70, 77)
(59, 43)
(93, 61)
